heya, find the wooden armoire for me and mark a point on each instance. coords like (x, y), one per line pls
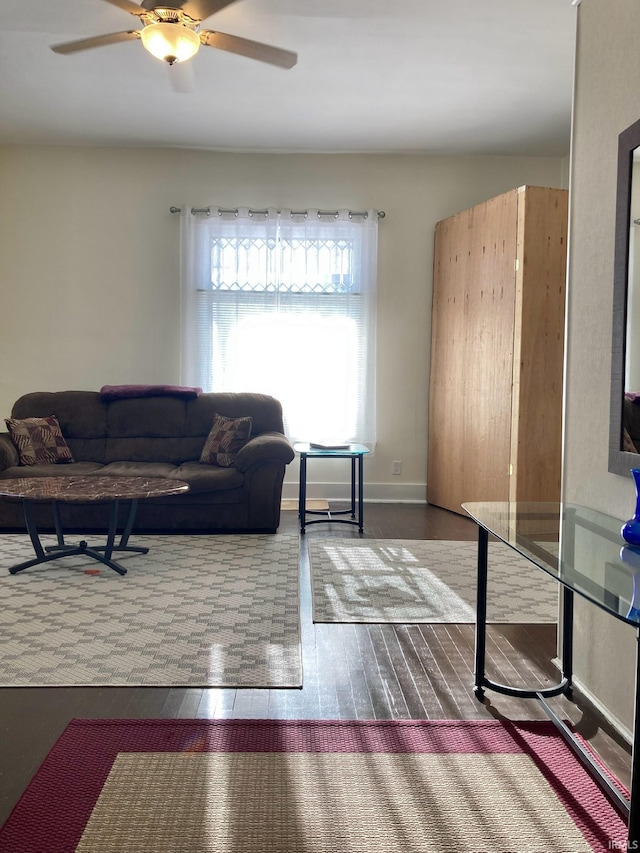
(497, 343)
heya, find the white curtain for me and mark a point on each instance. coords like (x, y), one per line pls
(284, 303)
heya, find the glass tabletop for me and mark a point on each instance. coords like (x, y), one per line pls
(580, 547)
(311, 449)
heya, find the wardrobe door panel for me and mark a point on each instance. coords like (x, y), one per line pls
(536, 451)
(471, 355)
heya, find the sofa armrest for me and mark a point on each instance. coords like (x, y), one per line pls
(268, 446)
(8, 453)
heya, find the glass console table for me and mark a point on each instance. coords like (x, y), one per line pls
(583, 550)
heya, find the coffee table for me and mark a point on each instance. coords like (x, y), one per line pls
(85, 489)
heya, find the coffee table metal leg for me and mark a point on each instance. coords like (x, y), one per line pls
(84, 549)
(111, 535)
(122, 545)
(32, 530)
(57, 521)
(108, 548)
(58, 524)
(36, 561)
(55, 552)
(131, 517)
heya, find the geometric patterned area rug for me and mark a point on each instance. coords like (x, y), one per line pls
(282, 786)
(218, 611)
(424, 580)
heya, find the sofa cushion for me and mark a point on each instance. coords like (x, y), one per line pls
(203, 479)
(146, 429)
(149, 417)
(134, 468)
(144, 449)
(72, 469)
(39, 440)
(226, 438)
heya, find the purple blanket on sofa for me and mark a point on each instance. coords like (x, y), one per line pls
(122, 392)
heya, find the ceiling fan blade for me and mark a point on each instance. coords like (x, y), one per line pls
(201, 9)
(182, 77)
(251, 49)
(126, 6)
(95, 41)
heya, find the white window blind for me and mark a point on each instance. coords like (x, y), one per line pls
(284, 304)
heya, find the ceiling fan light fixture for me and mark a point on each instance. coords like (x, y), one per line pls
(171, 42)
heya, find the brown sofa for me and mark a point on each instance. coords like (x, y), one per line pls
(159, 436)
(631, 423)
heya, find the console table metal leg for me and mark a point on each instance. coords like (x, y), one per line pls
(567, 637)
(302, 499)
(360, 491)
(481, 611)
(633, 830)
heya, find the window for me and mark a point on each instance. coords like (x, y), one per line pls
(284, 304)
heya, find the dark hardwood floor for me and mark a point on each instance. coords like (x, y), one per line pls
(350, 672)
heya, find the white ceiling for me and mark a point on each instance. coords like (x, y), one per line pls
(433, 76)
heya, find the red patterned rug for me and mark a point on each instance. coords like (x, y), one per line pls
(274, 786)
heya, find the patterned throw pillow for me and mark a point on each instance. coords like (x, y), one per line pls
(226, 438)
(38, 440)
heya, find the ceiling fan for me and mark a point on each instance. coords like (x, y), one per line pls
(171, 31)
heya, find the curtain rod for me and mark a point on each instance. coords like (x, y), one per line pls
(234, 212)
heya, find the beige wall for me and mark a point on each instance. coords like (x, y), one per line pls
(606, 102)
(89, 281)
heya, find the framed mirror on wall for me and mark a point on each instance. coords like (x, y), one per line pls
(624, 426)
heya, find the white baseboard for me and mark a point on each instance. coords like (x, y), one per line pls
(606, 713)
(414, 493)
(617, 724)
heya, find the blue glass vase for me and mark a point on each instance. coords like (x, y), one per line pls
(631, 556)
(631, 529)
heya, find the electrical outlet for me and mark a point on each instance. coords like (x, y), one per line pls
(396, 467)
